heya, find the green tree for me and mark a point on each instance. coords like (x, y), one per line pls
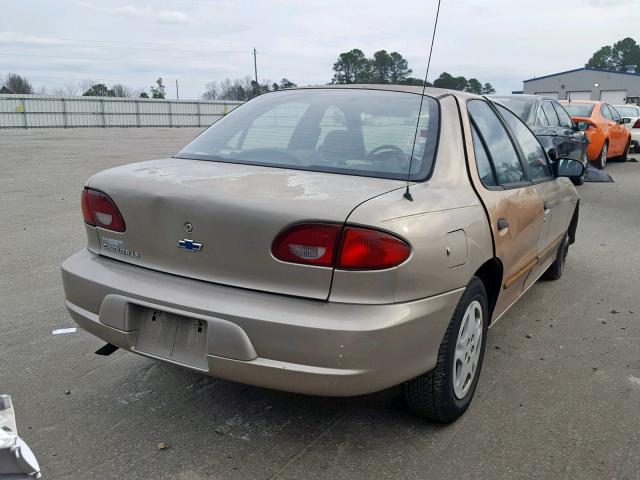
(487, 89)
(351, 67)
(616, 57)
(446, 80)
(414, 81)
(143, 95)
(4, 90)
(159, 91)
(474, 86)
(381, 66)
(98, 90)
(400, 70)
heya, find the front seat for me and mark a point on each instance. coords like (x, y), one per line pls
(341, 145)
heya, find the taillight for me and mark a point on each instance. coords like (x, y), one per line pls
(351, 248)
(364, 249)
(308, 243)
(100, 211)
(637, 124)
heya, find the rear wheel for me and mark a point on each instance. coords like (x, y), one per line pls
(445, 393)
(555, 270)
(602, 158)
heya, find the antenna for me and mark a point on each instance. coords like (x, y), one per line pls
(407, 193)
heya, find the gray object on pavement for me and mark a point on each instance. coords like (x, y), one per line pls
(17, 461)
(597, 175)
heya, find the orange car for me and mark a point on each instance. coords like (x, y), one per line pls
(608, 138)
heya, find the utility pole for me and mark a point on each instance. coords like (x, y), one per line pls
(177, 91)
(255, 64)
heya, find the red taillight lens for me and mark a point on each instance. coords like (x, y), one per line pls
(323, 245)
(308, 243)
(637, 124)
(364, 249)
(100, 211)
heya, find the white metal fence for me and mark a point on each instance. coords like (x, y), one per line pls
(35, 111)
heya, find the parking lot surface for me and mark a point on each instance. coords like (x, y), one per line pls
(559, 393)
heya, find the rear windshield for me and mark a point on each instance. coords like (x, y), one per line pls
(358, 132)
(629, 111)
(579, 109)
(519, 106)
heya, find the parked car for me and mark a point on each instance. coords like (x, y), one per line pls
(608, 138)
(318, 241)
(553, 126)
(632, 112)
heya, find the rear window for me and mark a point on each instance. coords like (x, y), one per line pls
(578, 109)
(357, 132)
(520, 106)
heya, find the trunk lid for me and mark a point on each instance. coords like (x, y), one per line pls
(216, 221)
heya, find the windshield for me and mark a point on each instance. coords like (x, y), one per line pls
(578, 109)
(519, 106)
(628, 111)
(358, 132)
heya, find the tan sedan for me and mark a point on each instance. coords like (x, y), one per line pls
(328, 241)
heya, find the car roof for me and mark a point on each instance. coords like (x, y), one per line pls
(430, 91)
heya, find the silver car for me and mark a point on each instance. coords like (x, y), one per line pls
(328, 241)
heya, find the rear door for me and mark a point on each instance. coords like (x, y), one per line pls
(512, 201)
(613, 130)
(560, 138)
(621, 132)
(553, 192)
(573, 139)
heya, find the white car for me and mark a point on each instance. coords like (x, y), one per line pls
(633, 113)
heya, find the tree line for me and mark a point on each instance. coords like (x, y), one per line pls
(392, 68)
(617, 56)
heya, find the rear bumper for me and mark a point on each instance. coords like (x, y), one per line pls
(273, 341)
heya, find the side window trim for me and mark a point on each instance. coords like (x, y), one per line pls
(541, 111)
(488, 154)
(520, 153)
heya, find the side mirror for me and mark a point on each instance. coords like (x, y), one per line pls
(582, 126)
(569, 167)
(625, 120)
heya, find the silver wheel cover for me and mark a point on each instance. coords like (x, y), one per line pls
(467, 354)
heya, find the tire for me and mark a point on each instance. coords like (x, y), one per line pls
(433, 395)
(601, 161)
(555, 270)
(580, 180)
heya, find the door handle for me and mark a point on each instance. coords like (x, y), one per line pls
(503, 224)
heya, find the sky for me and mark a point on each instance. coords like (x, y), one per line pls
(55, 43)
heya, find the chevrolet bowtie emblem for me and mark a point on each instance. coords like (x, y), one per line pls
(190, 245)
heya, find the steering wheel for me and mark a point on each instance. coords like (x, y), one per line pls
(388, 152)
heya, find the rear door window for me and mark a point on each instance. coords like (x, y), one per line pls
(615, 116)
(604, 109)
(505, 159)
(485, 170)
(551, 114)
(535, 159)
(563, 116)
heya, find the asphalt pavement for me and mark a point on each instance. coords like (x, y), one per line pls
(558, 398)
